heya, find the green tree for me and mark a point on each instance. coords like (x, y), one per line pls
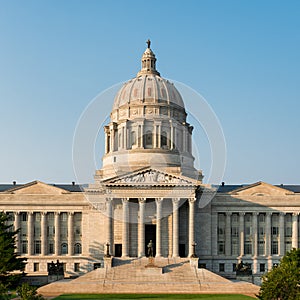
(28, 292)
(10, 262)
(283, 281)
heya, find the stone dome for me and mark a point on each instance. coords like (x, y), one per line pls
(148, 126)
(150, 89)
(148, 95)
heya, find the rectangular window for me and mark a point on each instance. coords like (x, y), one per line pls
(221, 267)
(37, 247)
(248, 248)
(76, 267)
(262, 268)
(36, 267)
(234, 231)
(234, 247)
(275, 230)
(233, 267)
(24, 247)
(288, 246)
(261, 231)
(261, 218)
(51, 248)
(261, 247)
(274, 248)
(221, 247)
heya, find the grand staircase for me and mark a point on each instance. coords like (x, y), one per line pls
(131, 276)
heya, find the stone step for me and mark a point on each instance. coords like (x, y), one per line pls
(131, 276)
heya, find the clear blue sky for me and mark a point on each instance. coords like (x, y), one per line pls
(242, 56)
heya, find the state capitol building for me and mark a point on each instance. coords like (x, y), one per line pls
(148, 189)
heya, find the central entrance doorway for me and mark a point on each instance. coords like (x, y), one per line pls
(150, 234)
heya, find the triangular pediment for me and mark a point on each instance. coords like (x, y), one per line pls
(261, 189)
(150, 176)
(37, 187)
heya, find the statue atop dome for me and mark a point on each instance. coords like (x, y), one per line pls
(148, 43)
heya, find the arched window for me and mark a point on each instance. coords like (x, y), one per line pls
(77, 248)
(64, 248)
(148, 139)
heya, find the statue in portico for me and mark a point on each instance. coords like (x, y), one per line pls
(150, 249)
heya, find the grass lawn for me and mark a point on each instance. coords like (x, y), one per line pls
(153, 296)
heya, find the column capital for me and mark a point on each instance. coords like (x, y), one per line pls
(269, 213)
(142, 200)
(109, 199)
(125, 200)
(242, 213)
(44, 213)
(295, 214)
(228, 213)
(17, 213)
(30, 213)
(159, 200)
(176, 201)
(255, 213)
(71, 213)
(192, 200)
(57, 213)
(281, 214)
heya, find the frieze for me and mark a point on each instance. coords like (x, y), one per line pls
(152, 177)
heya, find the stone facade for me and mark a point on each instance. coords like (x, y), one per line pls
(148, 189)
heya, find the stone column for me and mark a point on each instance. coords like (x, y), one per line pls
(158, 225)
(106, 131)
(228, 234)
(242, 234)
(175, 227)
(184, 141)
(30, 232)
(255, 233)
(254, 241)
(110, 225)
(17, 225)
(281, 234)
(171, 135)
(154, 135)
(159, 137)
(295, 230)
(70, 233)
(125, 229)
(112, 140)
(141, 228)
(43, 233)
(268, 234)
(175, 136)
(125, 136)
(57, 233)
(191, 224)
